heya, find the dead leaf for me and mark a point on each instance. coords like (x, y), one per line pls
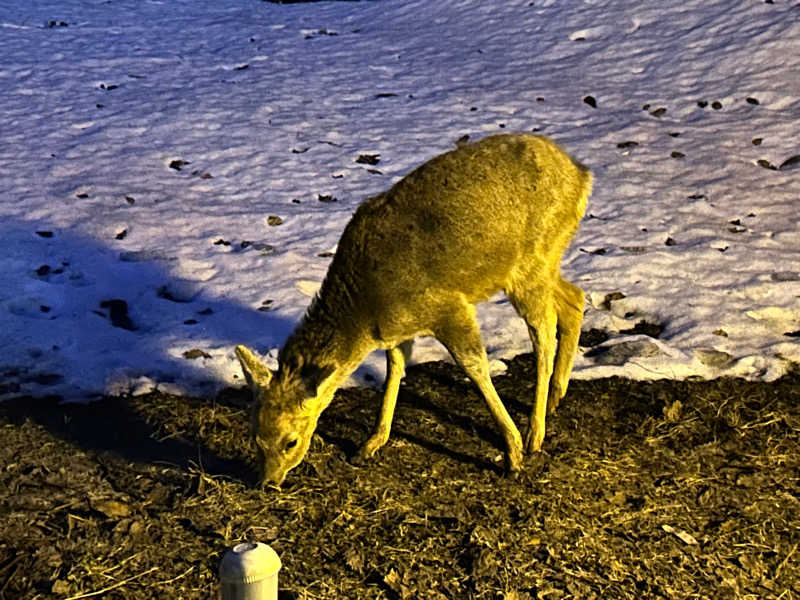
(112, 508)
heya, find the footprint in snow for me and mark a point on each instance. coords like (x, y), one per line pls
(715, 359)
(593, 337)
(790, 163)
(644, 327)
(117, 313)
(622, 352)
(785, 276)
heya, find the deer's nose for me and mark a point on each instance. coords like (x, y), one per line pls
(272, 479)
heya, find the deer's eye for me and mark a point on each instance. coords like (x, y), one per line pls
(291, 444)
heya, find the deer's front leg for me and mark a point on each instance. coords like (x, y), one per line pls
(395, 370)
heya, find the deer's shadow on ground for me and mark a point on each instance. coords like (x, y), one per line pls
(131, 430)
(438, 409)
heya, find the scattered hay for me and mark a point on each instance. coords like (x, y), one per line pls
(646, 490)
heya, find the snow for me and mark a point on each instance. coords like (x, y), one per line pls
(146, 144)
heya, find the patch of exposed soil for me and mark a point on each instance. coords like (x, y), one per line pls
(646, 490)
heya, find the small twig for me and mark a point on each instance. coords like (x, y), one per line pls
(120, 563)
(69, 504)
(762, 424)
(784, 561)
(184, 574)
(77, 518)
(11, 563)
(112, 587)
(15, 564)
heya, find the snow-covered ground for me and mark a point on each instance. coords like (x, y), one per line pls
(177, 155)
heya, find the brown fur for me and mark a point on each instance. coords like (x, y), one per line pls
(493, 215)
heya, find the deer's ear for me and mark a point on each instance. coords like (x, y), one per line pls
(255, 372)
(313, 376)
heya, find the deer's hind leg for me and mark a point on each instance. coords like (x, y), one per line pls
(569, 301)
(535, 302)
(457, 328)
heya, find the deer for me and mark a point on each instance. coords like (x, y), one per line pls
(491, 215)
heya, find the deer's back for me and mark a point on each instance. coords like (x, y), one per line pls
(464, 222)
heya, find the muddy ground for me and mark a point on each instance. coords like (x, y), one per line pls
(646, 490)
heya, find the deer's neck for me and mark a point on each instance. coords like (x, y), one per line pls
(323, 341)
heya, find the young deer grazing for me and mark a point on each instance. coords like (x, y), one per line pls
(492, 215)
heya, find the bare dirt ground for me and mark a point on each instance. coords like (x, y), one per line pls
(646, 490)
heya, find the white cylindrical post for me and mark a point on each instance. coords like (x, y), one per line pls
(249, 571)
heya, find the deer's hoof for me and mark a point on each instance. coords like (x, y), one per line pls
(369, 449)
(513, 459)
(534, 439)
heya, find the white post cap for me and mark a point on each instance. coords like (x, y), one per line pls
(248, 562)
